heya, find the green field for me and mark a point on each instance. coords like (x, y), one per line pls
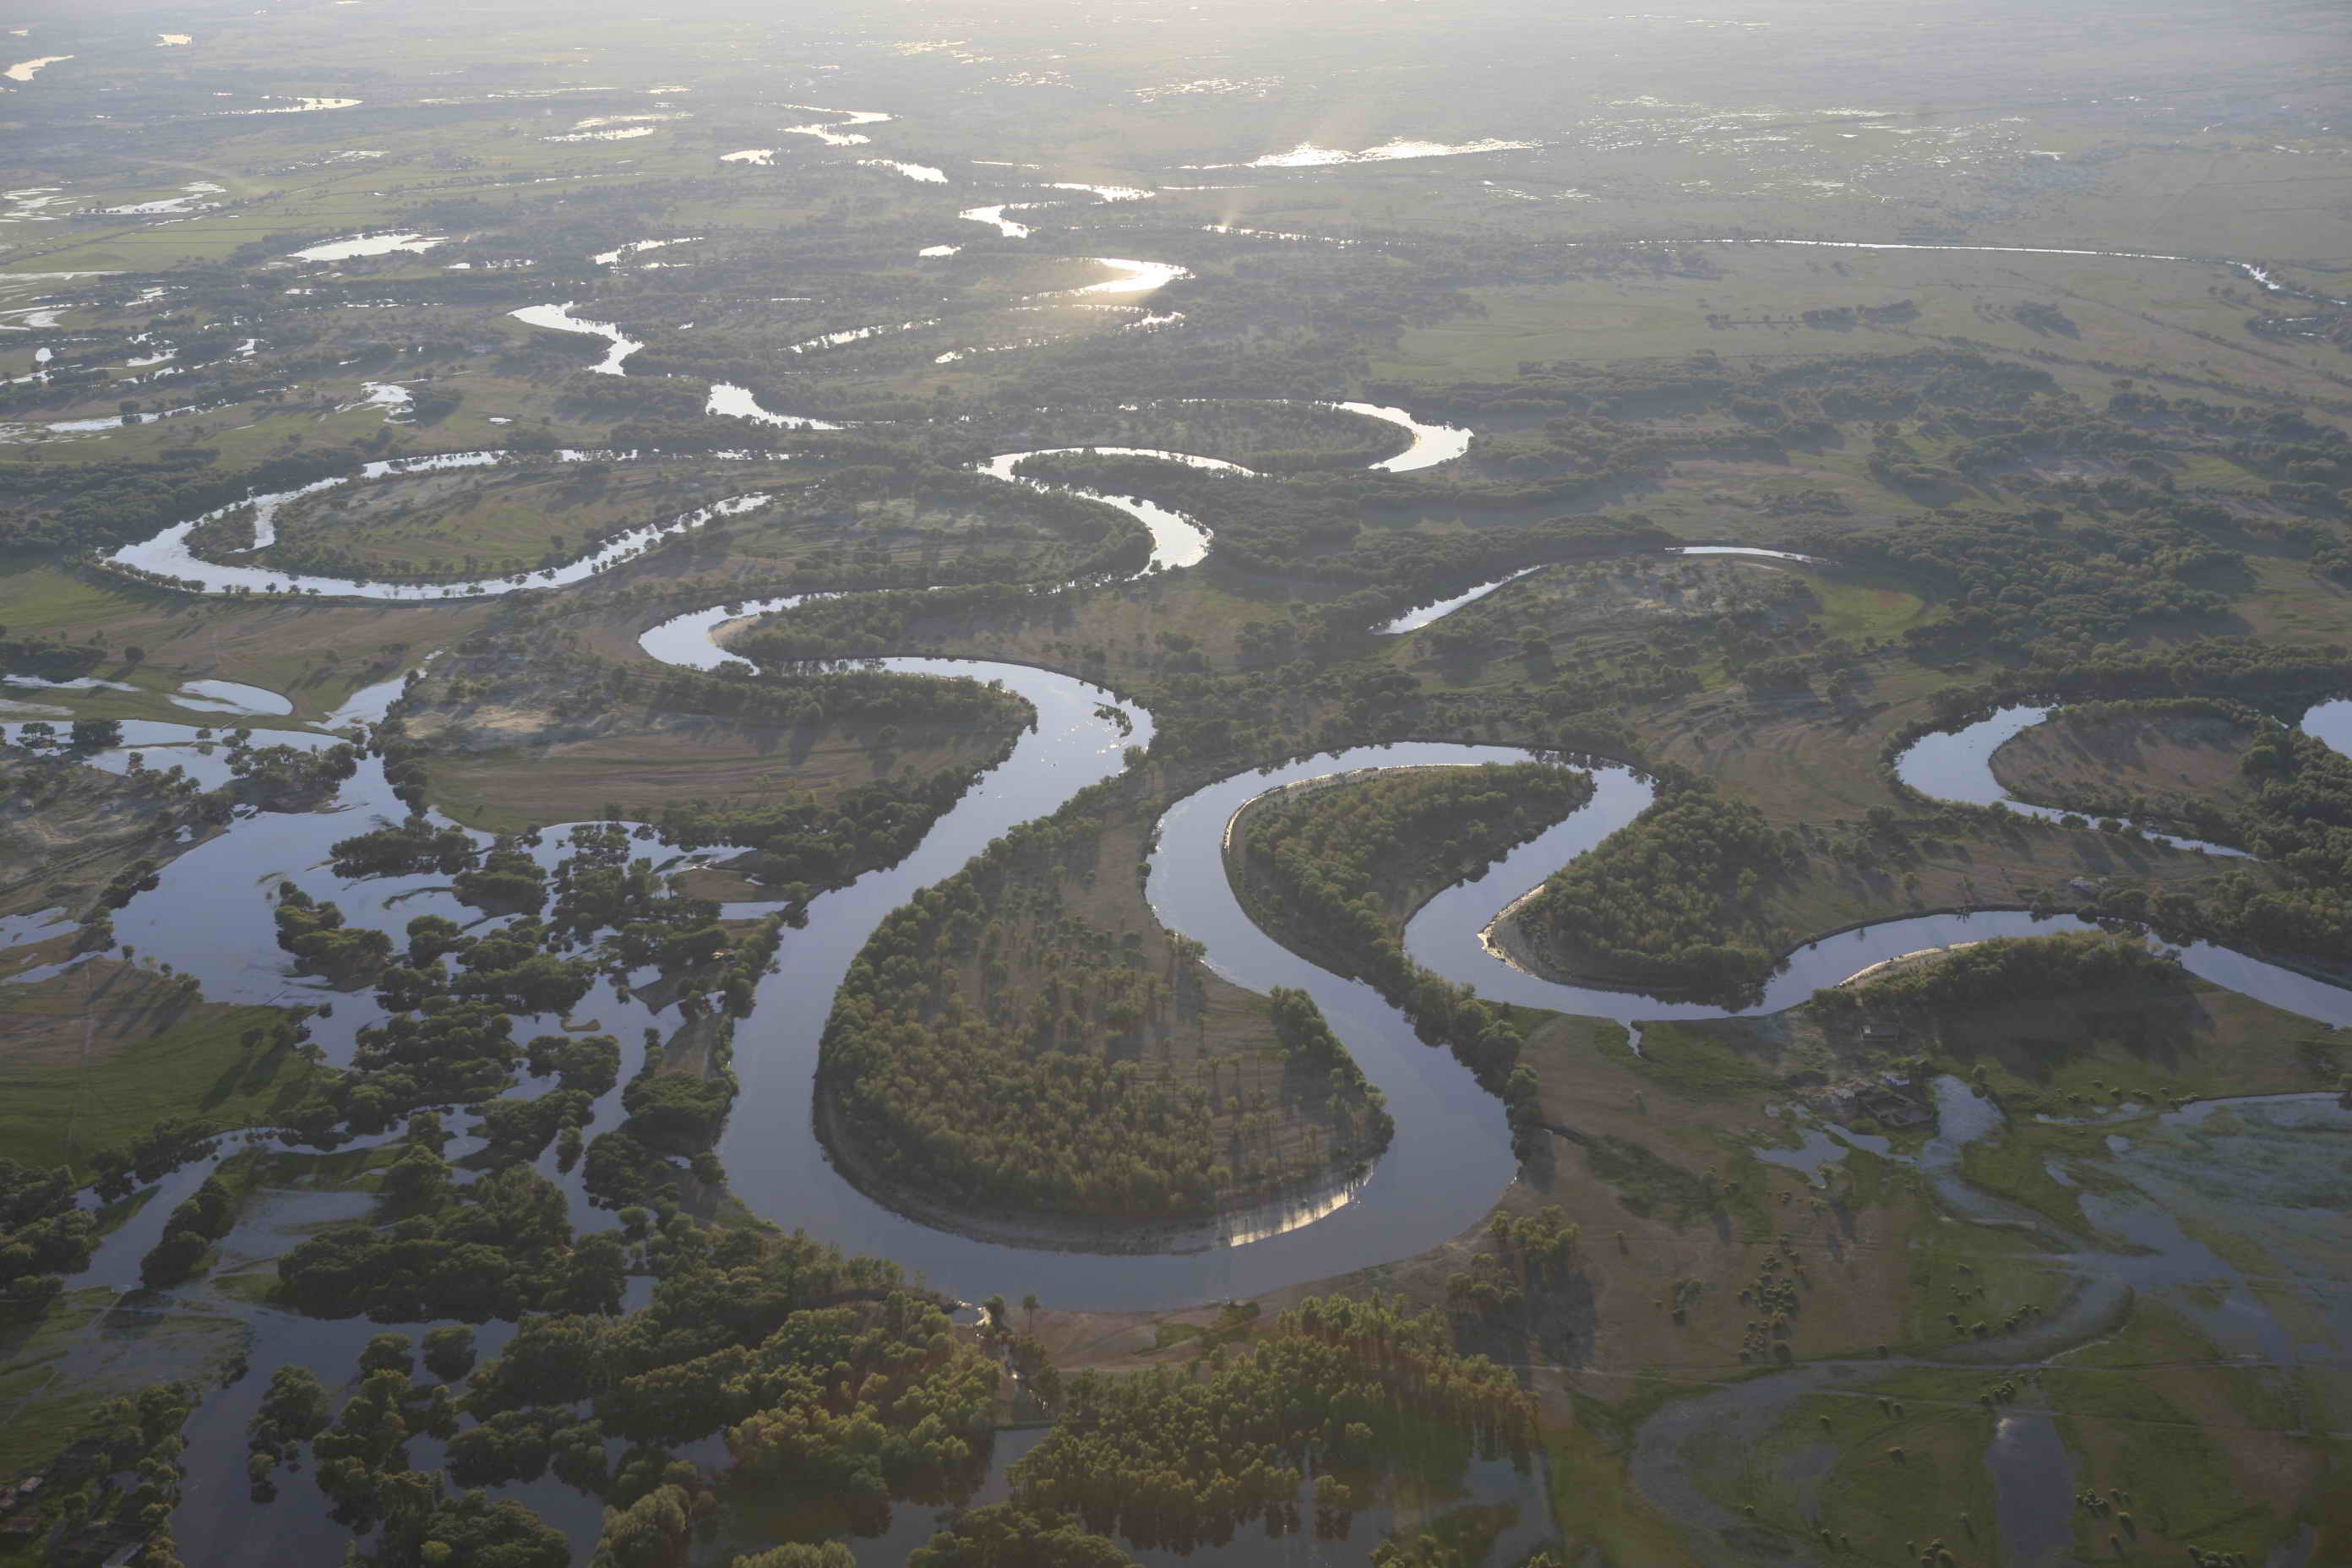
(98, 1055)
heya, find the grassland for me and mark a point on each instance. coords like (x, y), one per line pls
(41, 1420)
(1747, 303)
(2072, 758)
(1690, 1098)
(56, 1375)
(640, 762)
(2153, 1408)
(1116, 635)
(1830, 1463)
(509, 746)
(458, 524)
(314, 654)
(2204, 1449)
(94, 1057)
(1594, 1504)
(68, 831)
(1814, 764)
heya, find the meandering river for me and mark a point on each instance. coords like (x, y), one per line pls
(1450, 1156)
(209, 916)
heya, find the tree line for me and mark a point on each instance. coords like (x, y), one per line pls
(2014, 969)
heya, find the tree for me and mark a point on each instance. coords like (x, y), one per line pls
(654, 1531)
(172, 1259)
(388, 1352)
(293, 1410)
(202, 1218)
(674, 1114)
(449, 1352)
(1004, 1535)
(826, 1554)
(472, 1529)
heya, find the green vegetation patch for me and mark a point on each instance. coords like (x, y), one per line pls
(1673, 899)
(1696, 1065)
(102, 1054)
(1882, 1480)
